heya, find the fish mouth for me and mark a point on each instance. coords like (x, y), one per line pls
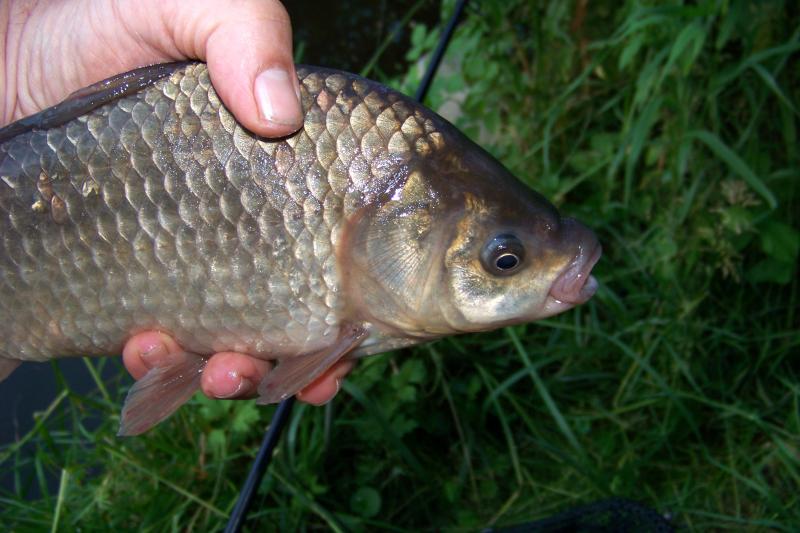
(575, 285)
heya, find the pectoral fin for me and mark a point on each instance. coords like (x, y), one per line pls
(160, 392)
(7, 366)
(294, 373)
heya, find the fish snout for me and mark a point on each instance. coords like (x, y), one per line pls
(575, 284)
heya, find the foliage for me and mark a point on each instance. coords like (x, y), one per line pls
(669, 127)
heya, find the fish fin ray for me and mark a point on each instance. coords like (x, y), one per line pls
(389, 257)
(7, 366)
(294, 373)
(160, 393)
(84, 100)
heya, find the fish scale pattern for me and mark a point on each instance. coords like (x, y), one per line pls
(158, 210)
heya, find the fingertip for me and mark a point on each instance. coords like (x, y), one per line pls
(231, 375)
(251, 67)
(278, 99)
(243, 42)
(325, 387)
(147, 350)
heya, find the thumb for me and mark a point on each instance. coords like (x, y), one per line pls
(250, 64)
(248, 47)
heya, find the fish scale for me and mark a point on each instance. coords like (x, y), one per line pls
(173, 205)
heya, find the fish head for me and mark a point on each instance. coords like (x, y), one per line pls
(462, 246)
(511, 257)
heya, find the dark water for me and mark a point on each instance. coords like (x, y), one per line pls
(33, 388)
(29, 389)
(344, 35)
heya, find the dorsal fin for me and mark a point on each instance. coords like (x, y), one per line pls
(91, 97)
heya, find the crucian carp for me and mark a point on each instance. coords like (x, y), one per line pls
(140, 203)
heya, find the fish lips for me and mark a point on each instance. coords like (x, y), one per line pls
(575, 285)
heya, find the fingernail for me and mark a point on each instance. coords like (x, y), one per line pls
(154, 353)
(277, 98)
(235, 386)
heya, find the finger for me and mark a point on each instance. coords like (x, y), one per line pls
(325, 387)
(233, 375)
(247, 44)
(248, 48)
(147, 350)
(260, 86)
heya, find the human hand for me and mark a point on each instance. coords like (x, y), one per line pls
(227, 375)
(55, 48)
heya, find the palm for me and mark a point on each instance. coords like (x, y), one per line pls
(88, 41)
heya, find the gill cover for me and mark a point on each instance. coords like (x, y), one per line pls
(393, 259)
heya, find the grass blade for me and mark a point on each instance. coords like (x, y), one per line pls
(735, 164)
(62, 492)
(541, 388)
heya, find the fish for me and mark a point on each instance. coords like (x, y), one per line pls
(140, 203)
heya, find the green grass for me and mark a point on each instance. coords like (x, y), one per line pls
(670, 128)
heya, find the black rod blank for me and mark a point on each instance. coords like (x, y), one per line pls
(260, 464)
(438, 54)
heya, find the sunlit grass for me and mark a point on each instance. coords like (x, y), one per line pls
(672, 131)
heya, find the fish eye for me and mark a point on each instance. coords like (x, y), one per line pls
(502, 255)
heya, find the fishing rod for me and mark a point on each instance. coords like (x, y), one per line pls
(281, 416)
(436, 58)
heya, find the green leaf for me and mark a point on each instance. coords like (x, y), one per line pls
(735, 163)
(244, 417)
(406, 393)
(780, 241)
(686, 47)
(402, 425)
(216, 441)
(366, 501)
(213, 410)
(418, 34)
(772, 84)
(452, 490)
(727, 76)
(770, 270)
(414, 369)
(639, 135)
(736, 218)
(649, 78)
(630, 51)
(639, 24)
